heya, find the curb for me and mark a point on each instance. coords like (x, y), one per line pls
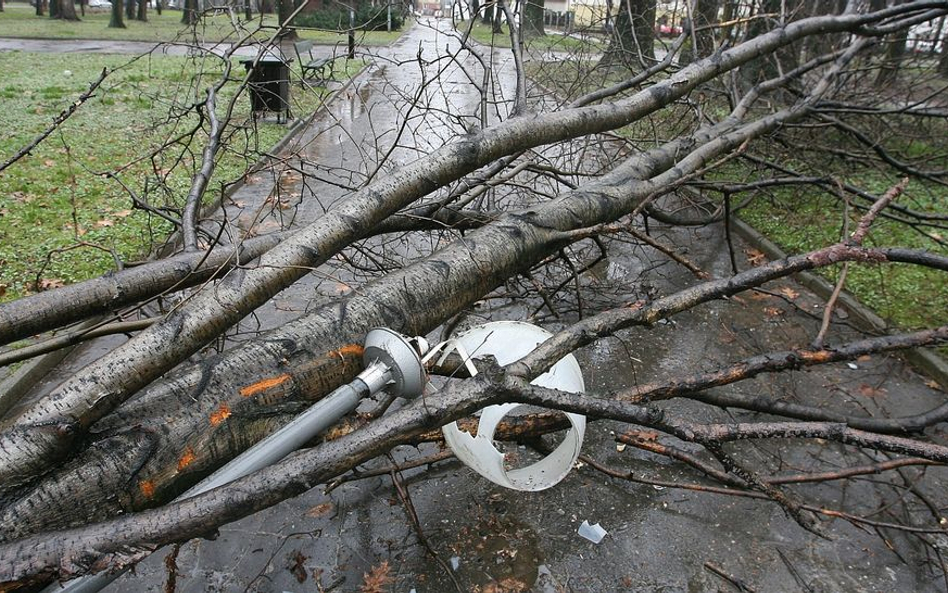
(925, 360)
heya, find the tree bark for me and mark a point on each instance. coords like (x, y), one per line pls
(894, 54)
(67, 10)
(189, 15)
(943, 61)
(633, 36)
(117, 19)
(705, 15)
(531, 24)
(130, 6)
(48, 310)
(286, 9)
(142, 14)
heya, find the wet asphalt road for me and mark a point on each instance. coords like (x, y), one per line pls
(659, 538)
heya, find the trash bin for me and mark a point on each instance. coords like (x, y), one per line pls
(269, 86)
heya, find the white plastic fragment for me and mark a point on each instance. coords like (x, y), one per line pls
(455, 563)
(593, 533)
(507, 342)
(852, 365)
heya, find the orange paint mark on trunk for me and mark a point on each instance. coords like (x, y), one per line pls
(186, 459)
(222, 413)
(147, 488)
(263, 385)
(348, 350)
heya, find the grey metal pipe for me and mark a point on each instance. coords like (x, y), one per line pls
(268, 451)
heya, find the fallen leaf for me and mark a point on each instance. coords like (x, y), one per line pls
(864, 358)
(49, 283)
(319, 510)
(755, 256)
(123, 213)
(296, 566)
(49, 163)
(773, 311)
(105, 222)
(377, 579)
(788, 292)
(930, 383)
(3, 289)
(642, 435)
(866, 390)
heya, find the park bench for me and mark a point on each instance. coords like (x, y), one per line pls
(309, 64)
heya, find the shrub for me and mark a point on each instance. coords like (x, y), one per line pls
(367, 18)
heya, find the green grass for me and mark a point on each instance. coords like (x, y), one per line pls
(19, 20)
(908, 296)
(57, 202)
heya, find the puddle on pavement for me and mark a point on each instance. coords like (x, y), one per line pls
(497, 554)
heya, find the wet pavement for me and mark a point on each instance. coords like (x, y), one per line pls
(492, 539)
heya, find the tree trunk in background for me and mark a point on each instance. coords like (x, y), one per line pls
(633, 35)
(54, 9)
(787, 58)
(117, 21)
(39, 8)
(189, 16)
(248, 11)
(129, 9)
(475, 8)
(158, 6)
(286, 8)
(67, 10)
(894, 53)
(142, 14)
(497, 27)
(943, 62)
(532, 23)
(487, 17)
(706, 14)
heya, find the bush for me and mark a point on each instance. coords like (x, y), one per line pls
(367, 18)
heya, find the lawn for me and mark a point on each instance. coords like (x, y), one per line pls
(20, 20)
(800, 220)
(61, 217)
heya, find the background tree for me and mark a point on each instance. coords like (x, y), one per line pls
(117, 20)
(532, 23)
(632, 41)
(189, 14)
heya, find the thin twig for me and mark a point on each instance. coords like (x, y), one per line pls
(57, 121)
